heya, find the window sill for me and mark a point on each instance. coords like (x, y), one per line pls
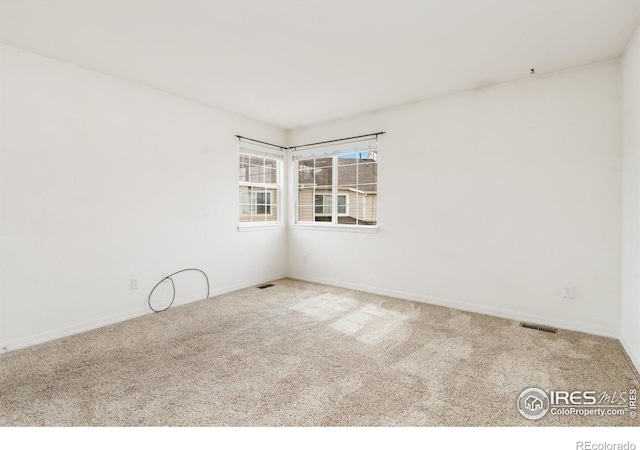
(260, 226)
(348, 228)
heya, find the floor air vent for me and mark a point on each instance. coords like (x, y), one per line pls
(533, 326)
(264, 286)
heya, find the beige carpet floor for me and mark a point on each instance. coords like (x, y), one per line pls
(305, 354)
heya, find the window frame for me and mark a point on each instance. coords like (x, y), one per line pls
(269, 188)
(297, 157)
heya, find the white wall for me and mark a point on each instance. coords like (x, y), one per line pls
(491, 201)
(103, 180)
(630, 325)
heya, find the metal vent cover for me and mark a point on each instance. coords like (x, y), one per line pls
(534, 326)
(264, 286)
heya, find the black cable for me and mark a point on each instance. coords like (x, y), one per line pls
(173, 285)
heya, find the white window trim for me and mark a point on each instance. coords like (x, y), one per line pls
(320, 226)
(278, 187)
(295, 157)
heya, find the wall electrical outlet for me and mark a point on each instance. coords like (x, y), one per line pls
(567, 292)
(135, 283)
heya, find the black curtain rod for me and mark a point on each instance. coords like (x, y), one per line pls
(338, 140)
(261, 142)
(308, 145)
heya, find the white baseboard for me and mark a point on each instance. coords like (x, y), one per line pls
(631, 352)
(40, 338)
(470, 307)
(51, 335)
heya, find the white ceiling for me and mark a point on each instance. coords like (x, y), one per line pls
(296, 63)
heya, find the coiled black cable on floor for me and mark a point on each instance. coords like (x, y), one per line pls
(173, 286)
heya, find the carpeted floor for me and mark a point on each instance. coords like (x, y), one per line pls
(304, 354)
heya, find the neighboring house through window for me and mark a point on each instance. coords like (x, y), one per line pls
(346, 176)
(323, 204)
(256, 203)
(259, 185)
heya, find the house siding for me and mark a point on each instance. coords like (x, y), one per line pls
(359, 208)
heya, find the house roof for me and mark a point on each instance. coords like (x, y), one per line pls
(361, 176)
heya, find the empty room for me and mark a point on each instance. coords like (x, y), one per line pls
(320, 214)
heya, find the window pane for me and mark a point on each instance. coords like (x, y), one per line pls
(359, 174)
(305, 214)
(324, 163)
(324, 176)
(245, 204)
(305, 197)
(347, 175)
(344, 160)
(306, 164)
(245, 216)
(371, 156)
(243, 172)
(342, 204)
(328, 200)
(368, 188)
(368, 173)
(256, 174)
(256, 161)
(244, 194)
(323, 204)
(271, 176)
(305, 172)
(346, 220)
(305, 178)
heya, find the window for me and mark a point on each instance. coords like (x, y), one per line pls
(323, 204)
(346, 178)
(259, 188)
(256, 203)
